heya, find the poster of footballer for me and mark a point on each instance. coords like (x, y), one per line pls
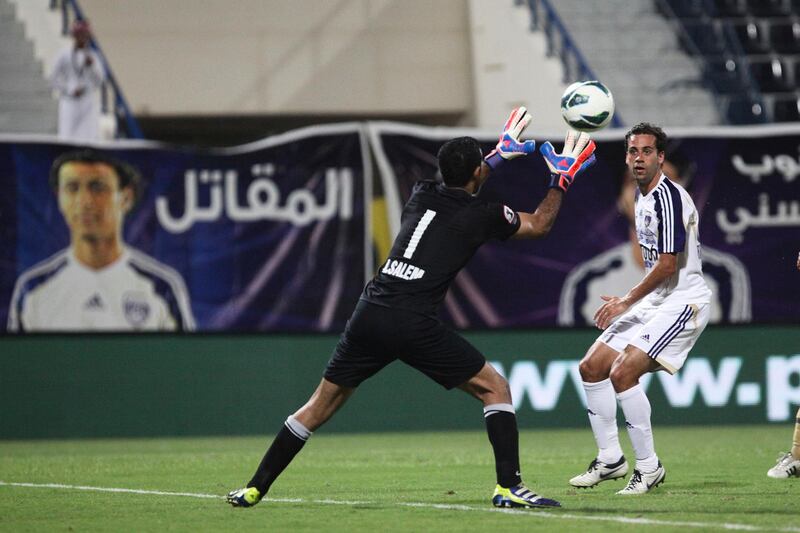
(146, 237)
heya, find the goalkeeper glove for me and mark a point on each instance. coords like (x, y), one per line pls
(509, 146)
(578, 154)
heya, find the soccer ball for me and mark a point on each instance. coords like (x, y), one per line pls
(587, 105)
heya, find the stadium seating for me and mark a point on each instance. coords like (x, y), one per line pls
(787, 109)
(771, 75)
(724, 75)
(688, 8)
(784, 36)
(751, 37)
(749, 51)
(730, 8)
(768, 8)
(703, 37)
(745, 110)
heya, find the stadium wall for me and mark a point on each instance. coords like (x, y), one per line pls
(54, 386)
(467, 58)
(216, 57)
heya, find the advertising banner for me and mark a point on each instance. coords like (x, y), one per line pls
(742, 180)
(146, 385)
(277, 236)
(271, 236)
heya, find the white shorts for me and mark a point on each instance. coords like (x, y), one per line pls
(666, 333)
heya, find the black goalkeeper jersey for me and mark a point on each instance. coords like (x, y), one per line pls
(441, 229)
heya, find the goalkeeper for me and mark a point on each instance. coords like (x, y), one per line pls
(443, 225)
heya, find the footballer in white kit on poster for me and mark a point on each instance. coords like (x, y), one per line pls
(98, 282)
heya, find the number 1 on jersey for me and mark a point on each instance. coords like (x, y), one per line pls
(422, 225)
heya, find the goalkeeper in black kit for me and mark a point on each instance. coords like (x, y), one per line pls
(443, 225)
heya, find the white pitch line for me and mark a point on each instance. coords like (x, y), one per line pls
(443, 506)
(108, 489)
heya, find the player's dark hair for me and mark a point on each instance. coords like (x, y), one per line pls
(645, 128)
(127, 175)
(458, 159)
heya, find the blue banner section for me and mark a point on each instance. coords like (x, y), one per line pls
(276, 236)
(266, 237)
(742, 181)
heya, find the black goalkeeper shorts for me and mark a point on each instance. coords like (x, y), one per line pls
(376, 335)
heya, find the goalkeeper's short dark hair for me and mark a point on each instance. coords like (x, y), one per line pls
(458, 159)
(127, 175)
(645, 128)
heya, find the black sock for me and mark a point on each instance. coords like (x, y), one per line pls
(280, 454)
(502, 429)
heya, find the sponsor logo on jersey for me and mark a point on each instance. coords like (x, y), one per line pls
(399, 269)
(135, 308)
(649, 255)
(645, 337)
(95, 302)
(509, 214)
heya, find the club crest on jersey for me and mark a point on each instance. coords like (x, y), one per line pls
(509, 214)
(135, 308)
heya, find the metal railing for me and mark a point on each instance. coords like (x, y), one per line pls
(560, 43)
(127, 126)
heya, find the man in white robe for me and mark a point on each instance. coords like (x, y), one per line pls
(78, 75)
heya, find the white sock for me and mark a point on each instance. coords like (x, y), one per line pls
(636, 408)
(602, 407)
(298, 429)
(491, 409)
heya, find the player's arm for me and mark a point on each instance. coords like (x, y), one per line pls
(577, 156)
(664, 268)
(537, 224)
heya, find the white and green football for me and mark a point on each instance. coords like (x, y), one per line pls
(587, 105)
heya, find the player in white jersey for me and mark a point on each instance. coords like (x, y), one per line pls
(652, 327)
(98, 283)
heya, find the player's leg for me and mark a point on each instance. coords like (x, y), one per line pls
(291, 438)
(451, 361)
(601, 407)
(662, 343)
(296, 431)
(788, 464)
(631, 364)
(601, 401)
(493, 391)
(353, 361)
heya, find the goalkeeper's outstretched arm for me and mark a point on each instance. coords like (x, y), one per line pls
(537, 224)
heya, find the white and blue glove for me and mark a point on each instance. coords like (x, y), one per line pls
(577, 156)
(509, 146)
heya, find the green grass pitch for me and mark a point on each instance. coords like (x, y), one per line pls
(716, 480)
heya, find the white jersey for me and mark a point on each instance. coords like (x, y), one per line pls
(667, 222)
(136, 292)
